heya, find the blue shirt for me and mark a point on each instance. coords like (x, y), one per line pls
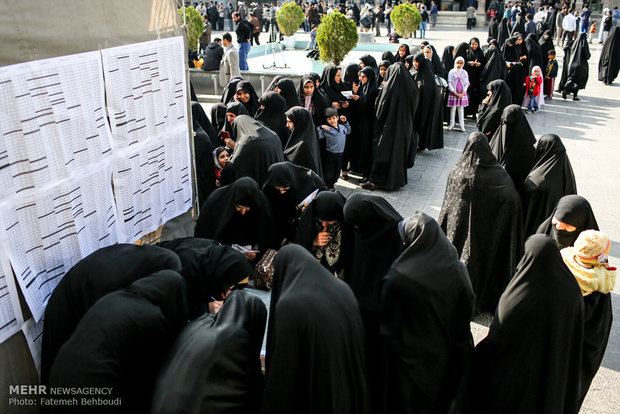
(335, 137)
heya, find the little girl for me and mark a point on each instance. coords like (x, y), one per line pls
(220, 159)
(533, 99)
(458, 82)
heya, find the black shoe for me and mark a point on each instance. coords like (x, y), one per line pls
(368, 186)
(576, 99)
(563, 95)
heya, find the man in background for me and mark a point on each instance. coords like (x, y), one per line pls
(229, 66)
(244, 33)
(214, 53)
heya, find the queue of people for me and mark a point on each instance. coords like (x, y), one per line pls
(370, 311)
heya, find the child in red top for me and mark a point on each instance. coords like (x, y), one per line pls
(533, 84)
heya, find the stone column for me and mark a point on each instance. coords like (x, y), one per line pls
(481, 17)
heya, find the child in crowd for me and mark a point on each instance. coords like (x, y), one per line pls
(312, 42)
(533, 88)
(458, 82)
(592, 31)
(588, 262)
(221, 156)
(551, 72)
(335, 135)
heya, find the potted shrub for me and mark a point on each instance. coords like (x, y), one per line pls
(195, 26)
(289, 18)
(406, 19)
(336, 37)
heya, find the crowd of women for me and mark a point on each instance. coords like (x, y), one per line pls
(370, 311)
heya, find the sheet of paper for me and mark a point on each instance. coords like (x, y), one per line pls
(52, 122)
(46, 233)
(308, 199)
(145, 89)
(10, 314)
(152, 184)
(33, 331)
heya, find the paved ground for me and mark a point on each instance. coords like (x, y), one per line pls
(589, 129)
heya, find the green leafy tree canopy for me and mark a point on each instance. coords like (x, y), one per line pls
(336, 37)
(195, 26)
(289, 18)
(406, 19)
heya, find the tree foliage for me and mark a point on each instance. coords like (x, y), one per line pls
(406, 19)
(195, 26)
(289, 18)
(336, 37)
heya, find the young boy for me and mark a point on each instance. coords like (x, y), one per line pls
(335, 135)
(532, 87)
(551, 72)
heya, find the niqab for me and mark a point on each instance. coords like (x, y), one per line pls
(574, 210)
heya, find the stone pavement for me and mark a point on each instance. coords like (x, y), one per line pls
(590, 131)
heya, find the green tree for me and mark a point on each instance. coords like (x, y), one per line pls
(336, 36)
(406, 19)
(195, 26)
(289, 18)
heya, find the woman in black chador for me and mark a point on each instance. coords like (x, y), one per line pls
(312, 99)
(209, 270)
(447, 61)
(364, 106)
(429, 115)
(256, 147)
(322, 231)
(551, 179)
(376, 244)
(490, 114)
(214, 365)
(609, 62)
(513, 145)
(286, 88)
(121, 344)
(394, 143)
(315, 352)
(535, 55)
(271, 114)
(572, 215)
(484, 226)
(474, 67)
(302, 147)
(578, 70)
(238, 213)
(101, 272)
(228, 95)
(246, 94)
(332, 87)
(426, 305)
(531, 359)
(503, 32)
(286, 188)
(516, 71)
(494, 68)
